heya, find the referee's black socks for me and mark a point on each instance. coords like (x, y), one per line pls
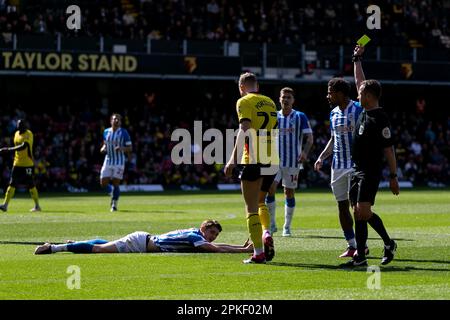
(377, 224)
(361, 234)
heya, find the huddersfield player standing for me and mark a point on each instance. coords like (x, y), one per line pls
(22, 172)
(257, 119)
(116, 142)
(343, 119)
(293, 126)
(372, 140)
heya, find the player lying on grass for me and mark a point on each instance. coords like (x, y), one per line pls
(187, 240)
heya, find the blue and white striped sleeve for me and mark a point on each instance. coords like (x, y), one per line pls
(126, 138)
(198, 240)
(305, 127)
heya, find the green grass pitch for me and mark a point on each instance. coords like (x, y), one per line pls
(305, 265)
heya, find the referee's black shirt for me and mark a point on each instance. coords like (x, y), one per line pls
(372, 134)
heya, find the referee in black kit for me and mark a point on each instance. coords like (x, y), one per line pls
(372, 139)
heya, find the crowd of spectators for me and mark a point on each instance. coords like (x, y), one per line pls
(68, 140)
(273, 21)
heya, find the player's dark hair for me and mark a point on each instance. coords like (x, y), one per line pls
(373, 87)
(210, 224)
(116, 115)
(340, 85)
(288, 90)
(247, 78)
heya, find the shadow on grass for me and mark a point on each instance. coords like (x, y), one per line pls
(360, 269)
(22, 242)
(419, 260)
(339, 238)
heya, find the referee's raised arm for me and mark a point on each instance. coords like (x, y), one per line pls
(357, 66)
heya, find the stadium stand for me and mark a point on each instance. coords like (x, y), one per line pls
(415, 23)
(68, 135)
(68, 128)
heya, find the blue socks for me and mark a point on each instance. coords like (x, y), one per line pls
(270, 199)
(349, 234)
(84, 246)
(290, 202)
(116, 193)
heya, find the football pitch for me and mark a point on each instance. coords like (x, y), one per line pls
(305, 266)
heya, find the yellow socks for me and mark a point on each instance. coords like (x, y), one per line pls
(264, 216)
(254, 228)
(9, 194)
(34, 196)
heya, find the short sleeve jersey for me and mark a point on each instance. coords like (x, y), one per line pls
(342, 127)
(24, 157)
(113, 139)
(292, 128)
(262, 113)
(372, 136)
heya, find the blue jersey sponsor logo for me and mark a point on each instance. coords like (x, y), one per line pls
(342, 127)
(291, 130)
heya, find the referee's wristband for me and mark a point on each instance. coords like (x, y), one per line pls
(356, 58)
(392, 175)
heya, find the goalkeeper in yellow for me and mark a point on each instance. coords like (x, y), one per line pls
(22, 172)
(258, 164)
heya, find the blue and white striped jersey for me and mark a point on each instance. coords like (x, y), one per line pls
(342, 127)
(186, 240)
(291, 130)
(113, 139)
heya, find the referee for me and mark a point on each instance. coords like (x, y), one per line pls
(372, 139)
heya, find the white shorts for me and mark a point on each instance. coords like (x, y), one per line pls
(340, 183)
(288, 176)
(135, 242)
(112, 172)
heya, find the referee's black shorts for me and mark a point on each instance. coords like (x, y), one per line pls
(252, 172)
(363, 187)
(22, 176)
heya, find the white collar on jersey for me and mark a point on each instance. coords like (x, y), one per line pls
(281, 113)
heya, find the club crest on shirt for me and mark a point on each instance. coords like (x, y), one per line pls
(386, 133)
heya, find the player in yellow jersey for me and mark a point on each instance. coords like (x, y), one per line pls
(257, 124)
(22, 172)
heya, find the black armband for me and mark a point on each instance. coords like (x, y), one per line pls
(392, 175)
(356, 58)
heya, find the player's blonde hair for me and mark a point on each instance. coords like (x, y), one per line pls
(248, 78)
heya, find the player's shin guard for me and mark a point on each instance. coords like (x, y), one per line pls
(9, 194)
(34, 195)
(377, 224)
(255, 231)
(264, 216)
